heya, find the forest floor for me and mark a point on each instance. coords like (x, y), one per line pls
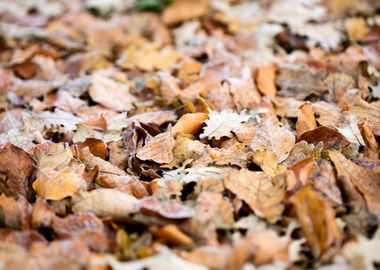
(189, 134)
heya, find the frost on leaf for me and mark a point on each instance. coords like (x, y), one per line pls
(223, 124)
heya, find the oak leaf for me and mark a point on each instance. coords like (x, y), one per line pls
(223, 124)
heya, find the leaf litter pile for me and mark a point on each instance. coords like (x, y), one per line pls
(189, 134)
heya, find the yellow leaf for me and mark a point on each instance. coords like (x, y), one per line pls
(53, 185)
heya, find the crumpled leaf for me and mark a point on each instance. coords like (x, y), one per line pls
(330, 137)
(106, 203)
(159, 149)
(365, 180)
(223, 124)
(104, 166)
(261, 192)
(189, 123)
(56, 185)
(317, 220)
(111, 94)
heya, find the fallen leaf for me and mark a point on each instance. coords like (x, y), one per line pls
(317, 220)
(189, 123)
(15, 214)
(56, 185)
(266, 77)
(182, 10)
(111, 94)
(16, 168)
(306, 120)
(104, 166)
(261, 192)
(106, 203)
(273, 139)
(159, 149)
(330, 137)
(223, 124)
(166, 209)
(365, 180)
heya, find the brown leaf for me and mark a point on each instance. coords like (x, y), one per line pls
(261, 192)
(306, 120)
(165, 209)
(171, 234)
(66, 254)
(111, 94)
(300, 82)
(182, 10)
(273, 139)
(364, 179)
(97, 147)
(56, 185)
(317, 220)
(368, 112)
(126, 184)
(106, 203)
(265, 80)
(104, 166)
(15, 214)
(212, 211)
(159, 149)
(223, 124)
(16, 167)
(330, 137)
(189, 123)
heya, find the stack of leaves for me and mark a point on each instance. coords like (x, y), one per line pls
(189, 134)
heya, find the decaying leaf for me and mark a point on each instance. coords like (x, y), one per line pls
(223, 124)
(266, 80)
(261, 192)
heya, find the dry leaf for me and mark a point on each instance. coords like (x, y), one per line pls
(273, 139)
(356, 28)
(261, 192)
(104, 166)
(111, 94)
(189, 123)
(265, 80)
(166, 209)
(330, 137)
(16, 167)
(365, 180)
(159, 149)
(306, 120)
(317, 220)
(56, 185)
(106, 203)
(182, 10)
(223, 124)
